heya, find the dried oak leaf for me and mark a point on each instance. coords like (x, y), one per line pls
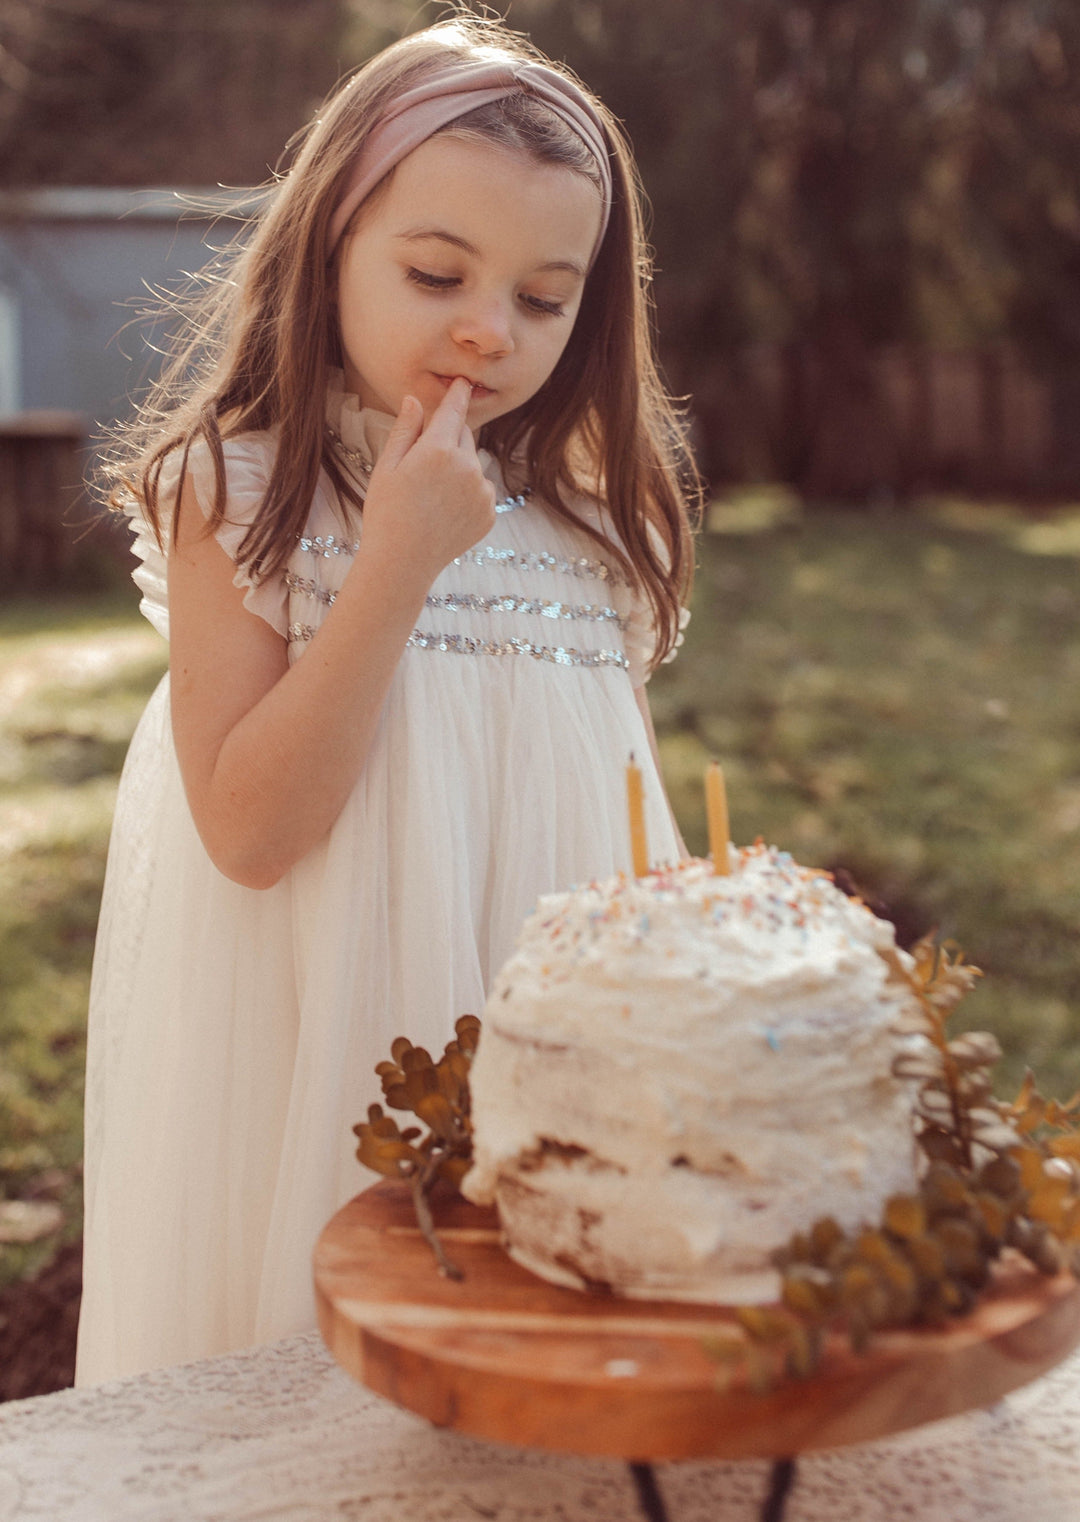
(384, 1148)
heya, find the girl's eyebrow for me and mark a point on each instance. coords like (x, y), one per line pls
(419, 234)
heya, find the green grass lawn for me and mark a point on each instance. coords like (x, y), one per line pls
(902, 698)
(74, 677)
(896, 696)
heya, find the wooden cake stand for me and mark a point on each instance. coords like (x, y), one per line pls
(504, 1355)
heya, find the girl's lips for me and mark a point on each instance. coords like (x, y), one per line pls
(477, 389)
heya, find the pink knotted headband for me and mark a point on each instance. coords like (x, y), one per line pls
(450, 92)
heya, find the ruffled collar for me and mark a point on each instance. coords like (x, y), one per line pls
(366, 429)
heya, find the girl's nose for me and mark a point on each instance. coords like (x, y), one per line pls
(485, 328)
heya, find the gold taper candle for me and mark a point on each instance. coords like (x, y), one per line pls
(635, 802)
(717, 811)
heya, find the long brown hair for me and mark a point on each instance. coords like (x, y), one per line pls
(256, 344)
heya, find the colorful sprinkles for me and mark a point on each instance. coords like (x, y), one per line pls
(768, 892)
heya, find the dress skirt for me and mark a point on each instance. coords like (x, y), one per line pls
(233, 1031)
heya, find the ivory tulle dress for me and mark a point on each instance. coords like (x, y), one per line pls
(233, 1032)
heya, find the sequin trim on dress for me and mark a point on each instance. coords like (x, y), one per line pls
(327, 545)
(511, 504)
(541, 561)
(460, 644)
(356, 457)
(469, 602)
(559, 655)
(309, 588)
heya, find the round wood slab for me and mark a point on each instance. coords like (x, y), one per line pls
(504, 1355)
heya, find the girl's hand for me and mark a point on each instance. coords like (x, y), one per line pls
(428, 497)
(269, 752)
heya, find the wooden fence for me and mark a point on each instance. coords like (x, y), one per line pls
(884, 424)
(892, 422)
(46, 517)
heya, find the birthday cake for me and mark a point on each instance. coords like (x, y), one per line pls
(678, 1071)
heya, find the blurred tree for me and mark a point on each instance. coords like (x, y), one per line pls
(831, 177)
(135, 92)
(782, 146)
(831, 180)
(1024, 184)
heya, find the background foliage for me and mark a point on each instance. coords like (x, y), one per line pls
(829, 179)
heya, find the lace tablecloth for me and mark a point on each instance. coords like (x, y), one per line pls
(281, 1432)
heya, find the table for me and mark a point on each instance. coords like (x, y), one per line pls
(280, 1432)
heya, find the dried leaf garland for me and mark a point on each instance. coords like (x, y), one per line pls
(438, 1094)
(995, 1176)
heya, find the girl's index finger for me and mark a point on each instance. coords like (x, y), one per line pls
(449, 416)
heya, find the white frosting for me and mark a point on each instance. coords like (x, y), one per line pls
(677, 1072)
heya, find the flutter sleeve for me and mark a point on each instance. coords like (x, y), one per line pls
(248, 460)
(639, 629)
(640, 641)
(640, 635)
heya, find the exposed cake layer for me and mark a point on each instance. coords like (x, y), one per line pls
(677, 1072)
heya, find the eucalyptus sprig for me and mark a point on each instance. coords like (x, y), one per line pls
(955, 1109)
(438, 1094)
(996, 1175)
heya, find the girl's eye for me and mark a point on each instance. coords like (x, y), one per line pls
(432, 282)
(536, 305)
(544, 308)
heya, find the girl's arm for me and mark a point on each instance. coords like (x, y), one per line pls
(269, 753)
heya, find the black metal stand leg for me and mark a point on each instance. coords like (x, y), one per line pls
(648, 1493)
(781, 1479)
(780, 1483)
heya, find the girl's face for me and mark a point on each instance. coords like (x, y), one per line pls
(472, 262)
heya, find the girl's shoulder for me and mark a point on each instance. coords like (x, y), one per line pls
(247, 465)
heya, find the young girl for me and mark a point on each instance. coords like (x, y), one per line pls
(412, 510)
